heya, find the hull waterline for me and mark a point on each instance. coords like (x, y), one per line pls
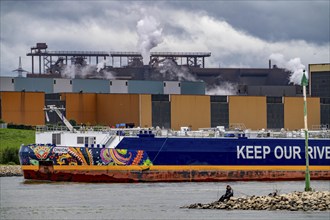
(171, 173)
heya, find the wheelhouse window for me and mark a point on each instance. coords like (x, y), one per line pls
(86, 140)
(80, 140)
(56, 138)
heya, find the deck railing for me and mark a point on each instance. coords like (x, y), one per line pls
(211, 133)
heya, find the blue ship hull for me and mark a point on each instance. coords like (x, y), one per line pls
(229, 151)
(159, 159)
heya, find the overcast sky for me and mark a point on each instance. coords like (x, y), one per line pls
(237, 33)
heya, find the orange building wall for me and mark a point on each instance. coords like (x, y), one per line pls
(249, 110)
(186, 110)
(80, 107)
(23, 107)
(190, 110)
(145, 111)
(294, 112)
(113, 109)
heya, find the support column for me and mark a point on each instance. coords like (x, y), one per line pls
(32, 64)
(39, 64)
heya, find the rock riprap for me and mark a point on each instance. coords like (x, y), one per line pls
(296, 201)
(10, 170)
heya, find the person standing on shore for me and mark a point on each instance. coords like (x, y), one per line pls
(229, 193)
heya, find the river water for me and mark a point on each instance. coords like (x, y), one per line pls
(21, 199)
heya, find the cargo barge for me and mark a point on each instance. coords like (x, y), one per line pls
(103, 154)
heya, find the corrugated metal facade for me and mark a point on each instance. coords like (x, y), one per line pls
(271, 91)
(62, 85)
(114, 109)
(161, 111)
(248, 110)
(90, 85)
(22, 107)
(81, 107)
(168, 111)
(319, 76)
(294, 112)
(192, 88)
(34, 84)
(118, 86)
(325, 111)
(7, 84)
(145, 87)
(219, 111)
(275, 113)
(320, 84)
(190, 110)
(172, 87)
(145, 111)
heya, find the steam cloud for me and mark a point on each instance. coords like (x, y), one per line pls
(169, 70)
(150, 35)
(225, 88)
(101, 65)
(293, 65)
(98, 71)
(74, 71)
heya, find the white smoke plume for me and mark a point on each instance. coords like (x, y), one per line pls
(101, 65)
(98, 71)
(73, 71)
(225, 88)
(150, 35)
(293, 65)
(104, 74)
(69, 71)
(169, 70)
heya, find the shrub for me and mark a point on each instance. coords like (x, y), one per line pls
(73, 122)
(23, 127)
(9, 155)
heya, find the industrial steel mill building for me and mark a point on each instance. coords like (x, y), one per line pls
(172, 91)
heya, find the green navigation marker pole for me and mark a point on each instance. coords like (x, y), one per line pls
(304, 83)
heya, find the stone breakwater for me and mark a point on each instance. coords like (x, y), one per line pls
(296, 201)
(10, 170)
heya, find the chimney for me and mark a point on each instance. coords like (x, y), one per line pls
(270, 63)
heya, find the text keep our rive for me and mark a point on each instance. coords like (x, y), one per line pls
(282, 152)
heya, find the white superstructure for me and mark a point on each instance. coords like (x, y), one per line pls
(106, 137)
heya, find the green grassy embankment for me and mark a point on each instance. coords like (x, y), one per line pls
(10, 142)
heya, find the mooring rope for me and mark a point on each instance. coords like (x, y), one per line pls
(159, 150)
